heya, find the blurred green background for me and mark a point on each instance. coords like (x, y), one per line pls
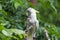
(13, 18)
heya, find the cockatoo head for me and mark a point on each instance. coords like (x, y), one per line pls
(31, 10)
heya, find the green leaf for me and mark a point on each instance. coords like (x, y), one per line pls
(9, 32)
(2, 27)
(21, 36)
(16, 4)
(3, 12)
(0, 7)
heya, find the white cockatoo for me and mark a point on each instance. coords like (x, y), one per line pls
(32, 22)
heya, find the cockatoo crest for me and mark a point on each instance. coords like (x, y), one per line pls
(32, 10)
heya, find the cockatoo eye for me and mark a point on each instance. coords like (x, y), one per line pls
(29, 13)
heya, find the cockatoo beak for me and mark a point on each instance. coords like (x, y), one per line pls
(37, 11)
(26, 13)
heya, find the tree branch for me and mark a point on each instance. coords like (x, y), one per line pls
(46, 34)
